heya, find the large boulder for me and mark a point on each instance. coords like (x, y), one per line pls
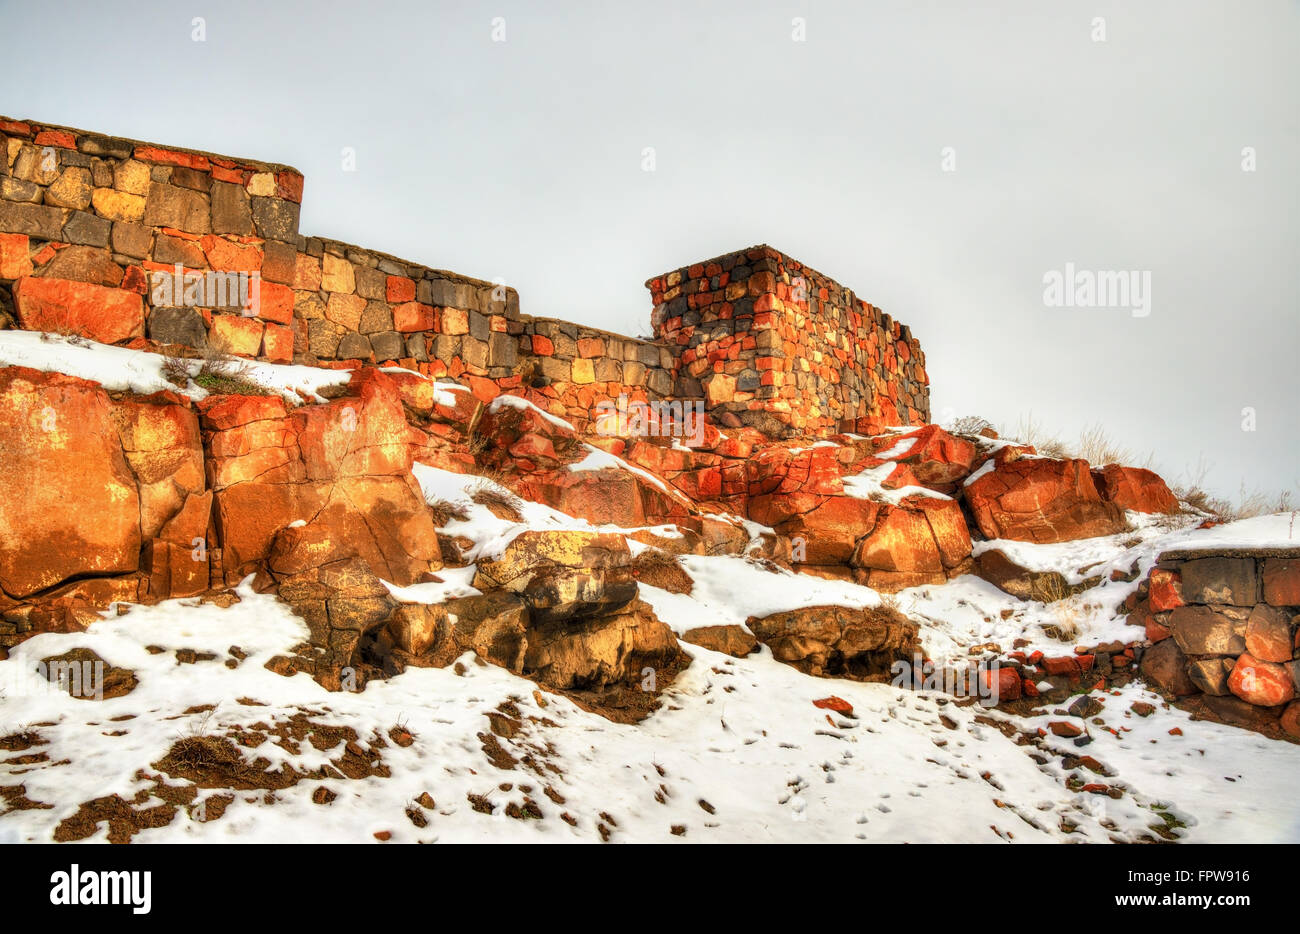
(341, 602)
(729, 639)
(1040, 499)
(70, 505)
(920, 540)
(595, 651)
(838, 641)
(319, 484)
(563, 574)
(936, 459)
(1049, 586)
(1134, 488)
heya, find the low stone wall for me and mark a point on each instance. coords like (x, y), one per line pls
(763, 336)
(1223, 632)
(135, 244)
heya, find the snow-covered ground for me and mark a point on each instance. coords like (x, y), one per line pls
(736, 752)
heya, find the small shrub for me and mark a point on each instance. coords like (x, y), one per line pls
(970, 425)
(444, 511)
(501, 503)
(222, 374)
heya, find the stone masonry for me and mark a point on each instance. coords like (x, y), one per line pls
(88, 223)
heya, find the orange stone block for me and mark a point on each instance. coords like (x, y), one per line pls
(412, 316)
(236, 334)
(15, 256)
(187, 160)
(275, 302)
(60, 138)
(399, 289)
(277, 344)
(62, 306)
(227, 256)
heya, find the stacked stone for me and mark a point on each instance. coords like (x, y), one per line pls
(89, 224)
(571, 369)
(359, 306)
(759, 332)
(1223, 628)
(86, 220)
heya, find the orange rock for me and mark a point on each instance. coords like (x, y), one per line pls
(69, 505)
(412, 316)
(15, 256)
(1041, 500)
(229, 256)
(277, 344)
(837, 704)
(1264, 684)
(103, 314)
(236, 334)
(1134, 488)
(1165, 591)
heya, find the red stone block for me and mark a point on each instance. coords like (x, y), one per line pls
(288, 185)
(412, 316)
(134, 280)
(1062, 666)
(14, 128)
(234, 176)
(103, 314)
(56, 138)
(1165, 591)
(1002, 683)
(15, 256)
(276, 302)
(227, 256)
(277, 344)
(188, 160)
(399, 289)
(542, 346)
(1282, 581)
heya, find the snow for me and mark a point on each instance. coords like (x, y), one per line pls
(518, 402)
(987, 467)
(123, 369)
(869, 484)
(741, 735)
(456, 582)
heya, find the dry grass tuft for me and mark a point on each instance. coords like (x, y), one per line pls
(502, 503)
(223, 374)
(444, 511)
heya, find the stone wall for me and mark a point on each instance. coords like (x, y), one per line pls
(761, 333)
(89, 226)
(1223, 633)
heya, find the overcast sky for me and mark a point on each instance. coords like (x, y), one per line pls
(524, 160)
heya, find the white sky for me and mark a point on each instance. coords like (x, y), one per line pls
(523, 160)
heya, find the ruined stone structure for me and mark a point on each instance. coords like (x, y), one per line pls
(89, 223)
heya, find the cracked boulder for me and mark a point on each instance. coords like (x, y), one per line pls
(839, 641)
